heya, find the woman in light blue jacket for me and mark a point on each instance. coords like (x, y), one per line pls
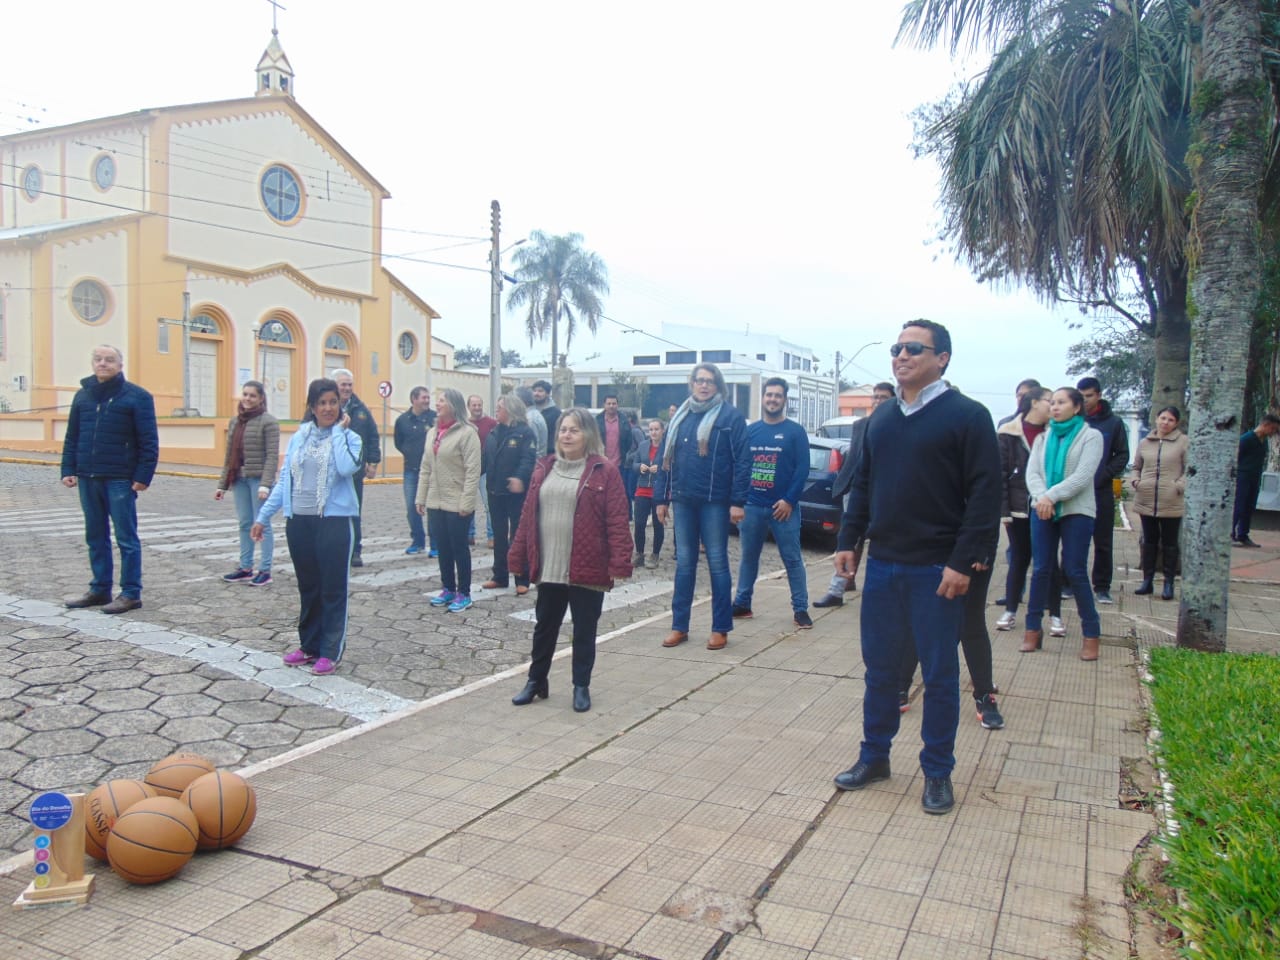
(318, 497)
(1060, 483)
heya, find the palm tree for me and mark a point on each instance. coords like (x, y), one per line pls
(558, 280)
(1229, 158)
(1063, 163)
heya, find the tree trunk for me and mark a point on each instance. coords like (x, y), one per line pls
(1172, 345)
(1227, 162)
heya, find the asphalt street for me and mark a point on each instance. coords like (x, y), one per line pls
(85, 697)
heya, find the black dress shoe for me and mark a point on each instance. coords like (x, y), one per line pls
(534, 688)
(357, 560)
(938, 797)
(830, 600)
(581, 699)
(122, 604)
(1167, 592)
(90, 599)
(862, 773)
(1144, 588)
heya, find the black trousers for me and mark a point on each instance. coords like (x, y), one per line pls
(975, 641)
(451, 532)
(504, 509)
(358, 479)
(645, 508)
(1104, 528)
(553, 600)
(1160, 534)
(1247, 490)
(321, 552)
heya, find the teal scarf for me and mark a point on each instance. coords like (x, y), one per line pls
(1057, 442)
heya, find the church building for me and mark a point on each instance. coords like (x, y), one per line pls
(213, 243)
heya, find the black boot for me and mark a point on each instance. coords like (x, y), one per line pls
(534, 688)
(581, 699)
(1167, 592)
(1145, 587)
(1148, 569)
(1171, 556)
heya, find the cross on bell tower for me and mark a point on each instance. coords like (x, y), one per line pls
(275, 74)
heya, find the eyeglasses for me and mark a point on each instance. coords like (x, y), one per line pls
(704, 382)
(913, 348)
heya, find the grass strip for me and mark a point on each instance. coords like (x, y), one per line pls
(1220, 746)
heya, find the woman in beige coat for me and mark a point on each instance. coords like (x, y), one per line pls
(448, 483)
(1160, 477)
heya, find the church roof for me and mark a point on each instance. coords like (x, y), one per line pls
(246, 105)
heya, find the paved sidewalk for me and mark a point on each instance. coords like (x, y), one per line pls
(690, 814)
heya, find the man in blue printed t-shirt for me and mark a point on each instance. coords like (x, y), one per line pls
(779, 468)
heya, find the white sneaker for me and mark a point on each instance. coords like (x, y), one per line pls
(1056, 629)
(1007, 621)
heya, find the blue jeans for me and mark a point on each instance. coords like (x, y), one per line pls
(417, 530)
(900, 604)
(483, 497)
(1075, 532)
(709, 523)
(106, 500)
(245, 490)
(786, 534)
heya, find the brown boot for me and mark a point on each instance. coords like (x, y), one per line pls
(1089, 648)
(677, 637)
(717, 641)
(1032, 641)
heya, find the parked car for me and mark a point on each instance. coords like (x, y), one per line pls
(838, 427)
(819, 511)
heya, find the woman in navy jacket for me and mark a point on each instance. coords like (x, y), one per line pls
(706, 475)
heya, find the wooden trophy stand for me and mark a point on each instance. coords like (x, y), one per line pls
(59, 853)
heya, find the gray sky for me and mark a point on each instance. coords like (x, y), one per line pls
(733, 163)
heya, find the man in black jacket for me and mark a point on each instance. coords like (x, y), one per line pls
(109, 452)
(546, 407)
(1115, 460)
(840, 585)
(411, 439)
(926, 495)
(362, 422)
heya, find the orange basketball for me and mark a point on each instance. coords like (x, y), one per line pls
(170, 776)
(104, 806)
(152, 840)
(224, 805)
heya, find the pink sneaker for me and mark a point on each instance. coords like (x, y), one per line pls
(324, 665)
(296, 658)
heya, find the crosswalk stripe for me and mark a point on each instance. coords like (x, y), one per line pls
(623, 595)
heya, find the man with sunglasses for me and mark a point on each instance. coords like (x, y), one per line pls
(926, 495)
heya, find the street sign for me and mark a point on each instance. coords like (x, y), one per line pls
(384, 389)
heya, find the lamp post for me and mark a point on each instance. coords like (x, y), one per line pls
(495, 306)
(835, 387)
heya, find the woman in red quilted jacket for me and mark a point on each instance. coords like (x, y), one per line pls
(573, 541)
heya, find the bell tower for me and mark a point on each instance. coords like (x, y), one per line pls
(275, 75)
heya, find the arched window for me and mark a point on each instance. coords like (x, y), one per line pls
(210, 381)
(408, 346)
(338, 353)
(276, 364)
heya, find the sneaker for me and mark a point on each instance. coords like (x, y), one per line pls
(1007, 621)
(262, 579)
(904, 701)
(324, 665)
(433, 553)
(742, 613)
(652, 562)
(1068, 593)
(988, 713)
(413, 548)
(1102, 596)
(296, 658)
(637, 560)
(235, 576)
(460, 602)
(803, 620)
(1056, 627)
(443, 598)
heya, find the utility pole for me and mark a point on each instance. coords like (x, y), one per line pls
(835, 388)
(495, 311)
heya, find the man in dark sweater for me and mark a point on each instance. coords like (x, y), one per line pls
(926, 494)
(411, 439)
(1115, 461)
(1250, 464)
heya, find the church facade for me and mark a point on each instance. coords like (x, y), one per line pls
(212, 243)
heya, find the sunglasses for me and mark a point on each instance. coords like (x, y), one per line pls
(913, 348)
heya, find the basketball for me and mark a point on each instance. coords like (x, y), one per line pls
(104, 806)
(170, 776)
(224, 805)
(152, 840)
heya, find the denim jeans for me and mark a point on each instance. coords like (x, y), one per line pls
(417, 530)
(1075, 532)
(974, 640)
(644, 509)
(756, 522)
(506, 509)
(697, 521)
(900, 603)
(245, 491)
(112, 505)
(482, 497)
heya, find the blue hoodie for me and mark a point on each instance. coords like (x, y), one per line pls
(344, 461)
